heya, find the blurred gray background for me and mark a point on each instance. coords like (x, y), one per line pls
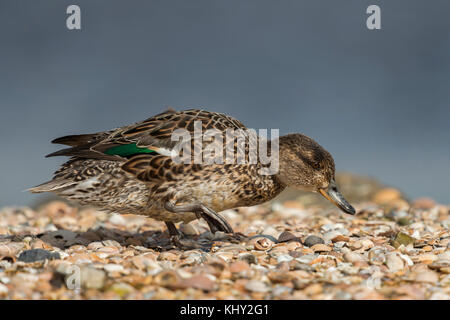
(377, 100)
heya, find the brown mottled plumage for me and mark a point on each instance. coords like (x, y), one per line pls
(130, 170)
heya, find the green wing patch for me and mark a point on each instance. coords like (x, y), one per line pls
(128, 150)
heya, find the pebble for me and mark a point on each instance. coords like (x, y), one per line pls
(256, 286)
(286, 236)
(118, 220)
(377, 256)
(11, 248)
(284, 258)
(306, 259)
(394, 262)
(426, 258)
(3, 289)
(352, 257)
(278, 291)
(402, 239)
(92, 278)
(444, 256)
(188, 229)
(271, 231)
(121, 289)
(111, 267)
(321, 248)
(239, 266)
(108, 250)
(95, 245)
(111, 243)
(37, 255)
(330, 235)
(424, 203)
(427, 276)
(248, 257)
(313, 240)
(386, 195)
(362, 245)
(201, 282)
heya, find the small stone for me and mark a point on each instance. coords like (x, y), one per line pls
(271, 231)
(248, 257)
(402, 239)
(340, 238)
(321, 248)
(95, 245)
(441, 265)
(394, 262)
(286, 236)
(239, 266)
(362, 245)
(111, 267)
(38, 255)
(279, 276)
(92, 278)
(387, 195)
(122, 289)
(313, 289)
(296, 265)
(188, 229)
(335, 236)
(284, 258)
(198, 282)
(328, 236)
(424, 203)
(167, 278)
(352, 257)
(281, 291)
(377, 256)
(166, 255)
(3, 289)
(404, 221)
(426, 258)
(427, 276)
(256, 286)
(444, 256)
(312, 240)
(407, 259)
(306, 259)
(118, 219)
(111, 243)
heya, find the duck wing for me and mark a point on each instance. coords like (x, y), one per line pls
(144, 147)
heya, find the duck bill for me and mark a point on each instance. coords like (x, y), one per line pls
(333, 195)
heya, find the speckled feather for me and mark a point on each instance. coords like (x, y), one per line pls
(142, 183)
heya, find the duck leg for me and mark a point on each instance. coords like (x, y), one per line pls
(176, 238)
(215, 221)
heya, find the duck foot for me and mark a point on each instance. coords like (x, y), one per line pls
(185, 244)
(178, 240)
(215, 221)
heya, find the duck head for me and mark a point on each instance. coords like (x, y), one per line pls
(306, 165)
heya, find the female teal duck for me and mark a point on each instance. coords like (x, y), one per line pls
(131, 170)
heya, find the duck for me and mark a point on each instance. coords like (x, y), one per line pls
(134, 169)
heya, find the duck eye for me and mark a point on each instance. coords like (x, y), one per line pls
(318, 165)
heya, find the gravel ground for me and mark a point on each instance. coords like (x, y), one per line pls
(292, 249)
